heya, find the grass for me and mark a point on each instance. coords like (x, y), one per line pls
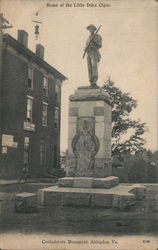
(142, 218)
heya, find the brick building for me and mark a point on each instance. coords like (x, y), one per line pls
(30, 103)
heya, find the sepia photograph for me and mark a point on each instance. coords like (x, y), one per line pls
(79, 124)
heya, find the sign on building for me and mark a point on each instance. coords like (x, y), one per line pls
(7, 140)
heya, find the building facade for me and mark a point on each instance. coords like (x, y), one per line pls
(30, 104)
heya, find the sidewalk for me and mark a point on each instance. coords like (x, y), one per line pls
(8, 182)
(30, 180)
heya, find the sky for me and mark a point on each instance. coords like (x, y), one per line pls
(129, 55)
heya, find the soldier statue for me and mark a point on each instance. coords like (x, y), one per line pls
(93, 44)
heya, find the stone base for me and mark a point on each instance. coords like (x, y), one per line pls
(26, 203)
(86, 182)
(102, 169)
(139, 191)
(90, 94)
(117, 197)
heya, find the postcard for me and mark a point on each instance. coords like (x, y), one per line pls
(78, 122)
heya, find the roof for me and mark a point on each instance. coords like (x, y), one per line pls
(8, 39)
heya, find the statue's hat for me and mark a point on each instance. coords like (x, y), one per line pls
(91, 26)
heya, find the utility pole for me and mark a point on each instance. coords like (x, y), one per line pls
(4, 24)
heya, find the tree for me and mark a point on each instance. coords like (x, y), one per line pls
(122, 124)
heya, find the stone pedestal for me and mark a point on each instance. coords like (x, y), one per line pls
(121, 196)
(89, 181)
(26, 202)
(89, 136)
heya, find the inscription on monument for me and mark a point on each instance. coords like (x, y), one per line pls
(85, 145)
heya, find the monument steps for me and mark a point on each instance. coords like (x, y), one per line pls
(88, 182)
(121, 196)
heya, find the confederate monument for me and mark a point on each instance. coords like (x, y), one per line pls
(88, 180)
(90, 120)
(93, 44)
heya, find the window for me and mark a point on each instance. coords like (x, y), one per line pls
(56, 125)
(4, 150)
(30, 78)
(56, 92)
(26, 150)
(42, 152)
(44, 114)
(29, 108)
(45, 86)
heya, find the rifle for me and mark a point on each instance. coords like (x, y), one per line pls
(90, 42)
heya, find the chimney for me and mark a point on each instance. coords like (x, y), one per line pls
(23, 37)
(40, 51)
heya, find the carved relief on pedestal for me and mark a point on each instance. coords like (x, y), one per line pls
(85, 144)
